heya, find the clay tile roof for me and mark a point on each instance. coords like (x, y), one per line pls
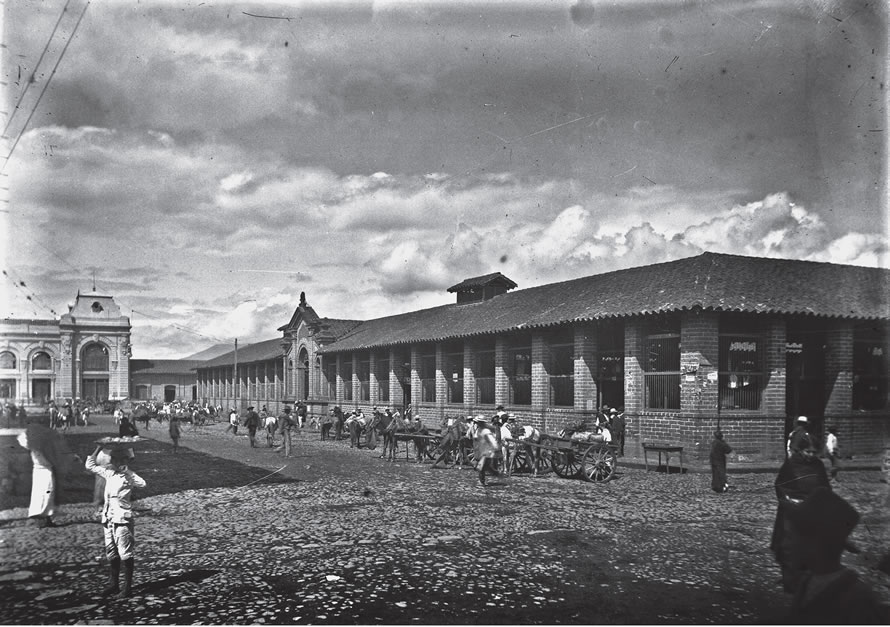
(482, 281)
(710, 281)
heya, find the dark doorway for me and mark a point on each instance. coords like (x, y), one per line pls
(95, 389)
(169, 393)
(41, 391)
(805, 380)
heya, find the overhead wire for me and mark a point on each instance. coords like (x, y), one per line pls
(36, 67)
(43, 91)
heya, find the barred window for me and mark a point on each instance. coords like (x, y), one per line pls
(364, 379)
(382, 375)
(610, 365)
(454, 375)
(485, 377)
(428, 378)
(520, 364)
(741, 371)
(562, 375)
(661, 374)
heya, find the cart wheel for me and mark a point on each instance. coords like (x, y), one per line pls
(518, 461)
(598, 464)
(566, 464)
(545, 461)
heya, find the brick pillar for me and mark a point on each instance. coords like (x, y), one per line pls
(839, 370)
(699, 351)
(775, 389)
(501, 372)
(372, 379)
(415, 376)
(469, 376)
(340, 383)
(356, 385)
(633, 367)
(441, 382)
(540, 375)
(396, 397)
(585, 366)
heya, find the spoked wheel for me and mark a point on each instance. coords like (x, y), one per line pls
(518, 461)
(598, 463)
(545, 461)
(566, 464)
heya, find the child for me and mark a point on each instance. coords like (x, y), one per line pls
(117, 517)
(719, 451)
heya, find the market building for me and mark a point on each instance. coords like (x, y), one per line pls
(741, 343)
(85, 354)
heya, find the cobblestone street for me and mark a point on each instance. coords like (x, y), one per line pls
(340, 536)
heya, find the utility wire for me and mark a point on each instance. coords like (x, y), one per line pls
(45, 85)
(36, 67)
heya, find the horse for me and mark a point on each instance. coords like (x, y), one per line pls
(325, 424)
(141, 413)
(357, 426)
(388, 425)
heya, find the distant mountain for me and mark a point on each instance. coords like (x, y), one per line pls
(214, 351)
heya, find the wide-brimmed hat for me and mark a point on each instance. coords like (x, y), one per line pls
(250, 407)
(480, 419)
(802, 419)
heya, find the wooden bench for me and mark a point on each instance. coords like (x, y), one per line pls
(667, 450)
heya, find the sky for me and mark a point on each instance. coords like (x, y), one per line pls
(206, 162)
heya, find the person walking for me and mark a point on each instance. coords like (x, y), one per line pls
(833, 452)
(233, 422)
(118, 525)
(301, 413)
(252, 422)
(485, 448)
(286, 424)
(800, 475)
(799, 437)
(175, 432)
(719, 450)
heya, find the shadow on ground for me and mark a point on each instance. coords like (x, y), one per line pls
(165, 472)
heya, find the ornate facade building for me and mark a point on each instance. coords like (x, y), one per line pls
(85, 354)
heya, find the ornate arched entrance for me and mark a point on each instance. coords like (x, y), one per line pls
(303, 361)
(94, 372)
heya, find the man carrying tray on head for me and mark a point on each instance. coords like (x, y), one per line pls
(117, 512)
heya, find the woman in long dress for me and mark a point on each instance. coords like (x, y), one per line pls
(47, 450)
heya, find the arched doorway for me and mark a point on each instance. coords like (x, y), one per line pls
(94, 372)
(303, 361)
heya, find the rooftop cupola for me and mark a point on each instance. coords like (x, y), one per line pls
(481, 288)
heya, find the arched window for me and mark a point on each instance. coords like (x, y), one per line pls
(41, 361)
(7, 361)
(95, 357)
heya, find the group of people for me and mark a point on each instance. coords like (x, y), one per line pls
(284, 423)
